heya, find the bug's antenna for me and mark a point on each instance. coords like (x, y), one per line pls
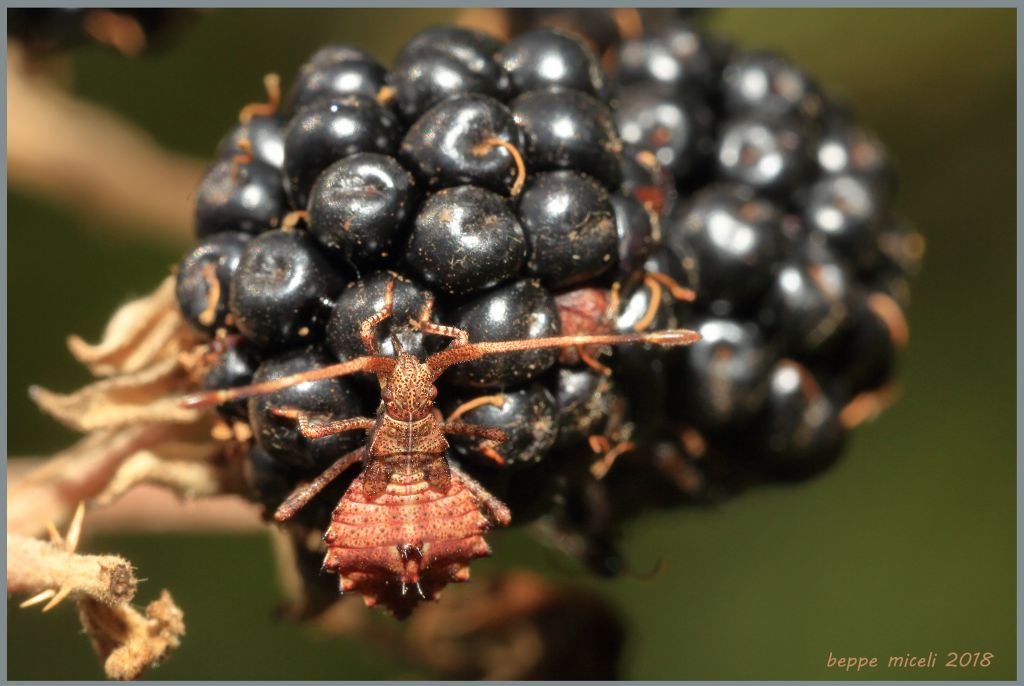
(439, 362)
(374, 364)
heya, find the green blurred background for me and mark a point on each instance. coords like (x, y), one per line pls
(908, 545)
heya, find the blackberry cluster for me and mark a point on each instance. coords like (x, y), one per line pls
(781, 221)
(527, 193)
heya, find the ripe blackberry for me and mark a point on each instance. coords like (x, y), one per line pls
(567, 129)
(771, 155)
(570, 220)
(549, 58)
(767, 83)
(261, 137)
(332, 398)
(845, 212)
(585, 399)
(522, 192)
(809, 304)
(799, 431)
(235, 365)
(471, 139)
(522, 309)
(528, 414)
(361, 299)
(723, 378)
(728, 242)
(443, 62)
(676, 55)
(675, 127)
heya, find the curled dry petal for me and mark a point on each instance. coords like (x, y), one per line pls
(187, 478)
(140, 333)
(146, 396)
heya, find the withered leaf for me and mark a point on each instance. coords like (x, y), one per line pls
(139, 333)
(145, 396)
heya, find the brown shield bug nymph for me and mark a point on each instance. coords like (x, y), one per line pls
(412, 521)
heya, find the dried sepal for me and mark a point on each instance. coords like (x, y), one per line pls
(192, 478)
(145, 396)
(140, 333)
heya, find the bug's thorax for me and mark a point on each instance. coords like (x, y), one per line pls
(421, 438)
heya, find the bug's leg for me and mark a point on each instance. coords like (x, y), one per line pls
(460, 336)
(312, 428)
(498, 511)
(374, 364)
(438, 362)
(491, 436)
(367, 326)
(491, 433)
(303, 494)
(438, 473)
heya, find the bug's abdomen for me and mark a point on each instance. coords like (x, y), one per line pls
(406, 544)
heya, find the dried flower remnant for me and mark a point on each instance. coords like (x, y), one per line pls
(103, 587)
(136, 433)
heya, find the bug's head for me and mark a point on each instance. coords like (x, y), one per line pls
(409, 392)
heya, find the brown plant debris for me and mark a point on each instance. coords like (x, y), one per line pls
(514, 626)
(103, 586)
(51, 491)
(137, 435)
(81, 154)
(128, 641)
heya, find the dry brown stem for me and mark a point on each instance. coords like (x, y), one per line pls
(64, 148)
(34, 566)
(102, 586)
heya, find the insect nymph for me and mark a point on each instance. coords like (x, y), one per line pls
(411, 522)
